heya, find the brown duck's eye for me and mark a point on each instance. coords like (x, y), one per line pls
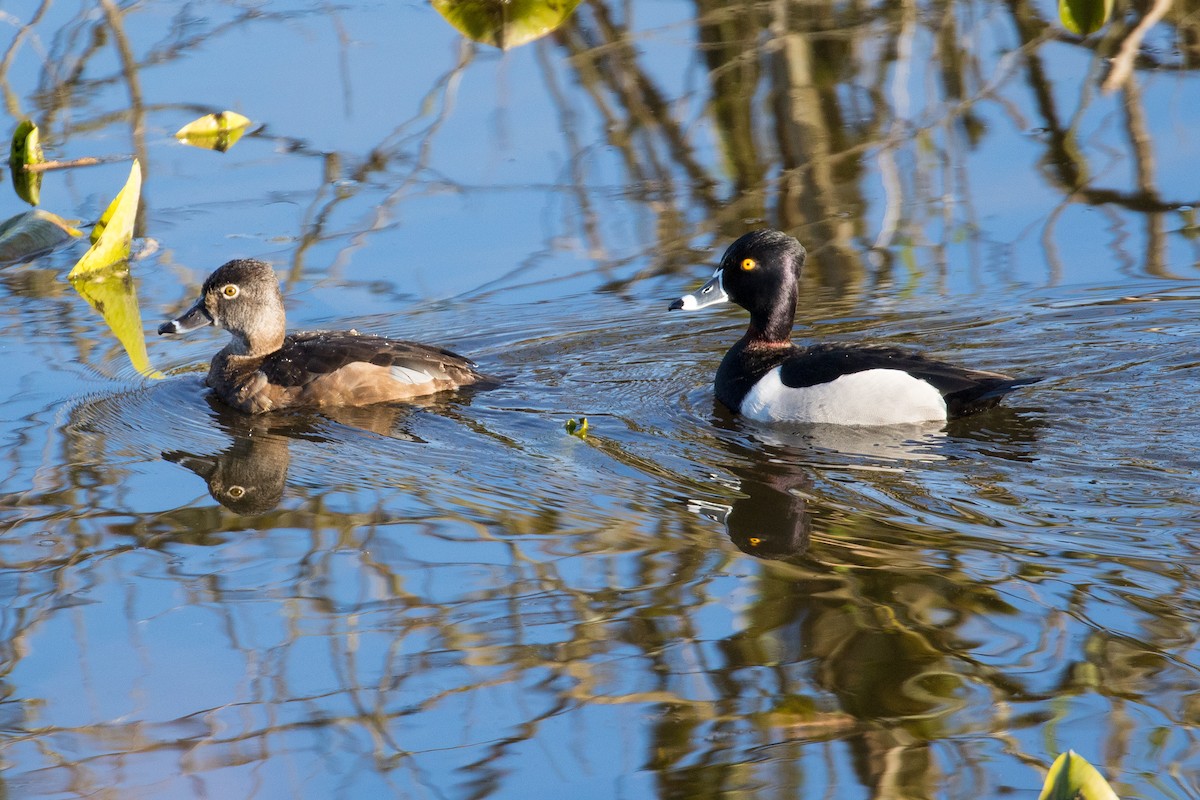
(749, 264)
(754, 540)
(230, 290)
(236, 492)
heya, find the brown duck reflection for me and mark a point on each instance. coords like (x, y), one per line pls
(249, 476)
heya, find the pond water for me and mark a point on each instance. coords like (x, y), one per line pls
(457, 598)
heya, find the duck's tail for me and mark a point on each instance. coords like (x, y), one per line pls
(983, 395)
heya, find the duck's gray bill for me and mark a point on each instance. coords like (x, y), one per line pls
(709, 294)
(195, 317)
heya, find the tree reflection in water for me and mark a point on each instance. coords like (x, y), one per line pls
(463, 601)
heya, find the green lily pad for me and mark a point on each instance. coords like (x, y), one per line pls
(26, 149)
(505, 23)
(33, 233)
(27, 185)
(1071, 777)
(1084, 17)
(219, 131)
(26, 146)
(112, 236)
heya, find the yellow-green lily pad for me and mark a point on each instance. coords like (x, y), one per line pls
(1071, 777)
(26, 146)
(1084, 17)
(505, 23)
(111, 292)
(217, 131)
(33, 233)
(26, 149)
(27, 185)
(112, 237)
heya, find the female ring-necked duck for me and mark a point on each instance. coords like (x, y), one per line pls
(265, 368)
(767, 378)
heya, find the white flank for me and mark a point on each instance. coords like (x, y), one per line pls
(413, 376)
(871, 397)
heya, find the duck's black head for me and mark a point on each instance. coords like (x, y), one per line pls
(760, 272)
(243, 297)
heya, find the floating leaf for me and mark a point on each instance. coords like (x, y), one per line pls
(578, 428)
(505, 23)
(1071, 777)
(113, 234)
(26, 149)
(111, 292)
(217, 131)
(27, 185)
(26, 146)
(1084, 17)
(32, 234)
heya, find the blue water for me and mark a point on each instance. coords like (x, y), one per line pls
(457, 598)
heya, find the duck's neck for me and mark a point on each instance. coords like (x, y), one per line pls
(772, 324)
(255, 344)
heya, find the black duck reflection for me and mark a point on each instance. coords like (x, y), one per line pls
(770, 520)
(249, 476)
(772, 517)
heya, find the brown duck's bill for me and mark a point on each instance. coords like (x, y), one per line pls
(707, 295)
(195, 317)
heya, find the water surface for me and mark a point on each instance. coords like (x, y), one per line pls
(456, 598)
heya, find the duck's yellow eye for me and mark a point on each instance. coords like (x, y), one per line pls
(748, 264)
(237, 492)
(754, 540)
(230, 290)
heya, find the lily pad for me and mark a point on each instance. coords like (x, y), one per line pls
(1071, 777)
(32, 234)
(27, 185)
(111, 292)
(26, 146)
(1084, 17)
(113, 234)
(26, 149)
(505, 23)
(217, 131)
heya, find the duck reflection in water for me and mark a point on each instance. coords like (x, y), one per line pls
(249, 476)
(771, 519)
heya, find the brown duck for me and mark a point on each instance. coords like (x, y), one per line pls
(265, 368)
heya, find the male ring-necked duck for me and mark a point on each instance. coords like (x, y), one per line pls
(767, 378)
(265, 368)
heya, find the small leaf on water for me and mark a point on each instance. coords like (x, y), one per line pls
(505, 23)
(217, 131)
(1072, 777)
(27, 185)
(26, 146)
(26, 149)
(112, 293)
(32, 234)
(113, 234)
(578, 428)
(1084, 17)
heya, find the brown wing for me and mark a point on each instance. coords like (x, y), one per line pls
(328, 368)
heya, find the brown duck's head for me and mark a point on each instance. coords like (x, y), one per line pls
(242, 297)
